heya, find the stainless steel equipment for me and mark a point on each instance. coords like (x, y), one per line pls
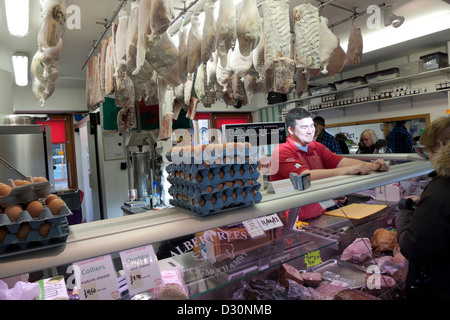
(25, 148)
(142, 165)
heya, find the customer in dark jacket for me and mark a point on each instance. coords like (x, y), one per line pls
(399, 140)
(424, 231)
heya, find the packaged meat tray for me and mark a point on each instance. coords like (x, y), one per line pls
(327, 88)
(349, 83)
(434, 60)
(382, 75)
(337, 270)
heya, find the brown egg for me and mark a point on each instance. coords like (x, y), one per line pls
(239, 182)
(56, 205)
(213, 199)
(23, 231)
(220, 186)
(5, 190)
(209, 189)
(34, 208)
(232, 172)
(19, 182)
(3, 233)
(39, 179)
(234, 195)
(13, 212)
(199, 177)
(202, 202)
(50, 198)
(224, 197)
(44, 229)
(210, 175)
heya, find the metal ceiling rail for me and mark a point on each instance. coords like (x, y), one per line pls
(113, 17)
(107, 26)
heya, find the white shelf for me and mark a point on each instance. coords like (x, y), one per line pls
(409, 96)
(422, 75)
(113, 235)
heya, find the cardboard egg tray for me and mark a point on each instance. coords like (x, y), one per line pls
(57, 232)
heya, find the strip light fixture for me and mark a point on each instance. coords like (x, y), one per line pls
(17, 17)
(20, 65)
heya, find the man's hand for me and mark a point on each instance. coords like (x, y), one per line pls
(382, 165)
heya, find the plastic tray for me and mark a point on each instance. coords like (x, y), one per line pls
(382, 75)
(344, 270)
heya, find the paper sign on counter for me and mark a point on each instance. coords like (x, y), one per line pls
(96, 279)
(253, 228)
(280, 186)
(141, 269)
(270, 221)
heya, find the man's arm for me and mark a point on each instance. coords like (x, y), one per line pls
(349, 166)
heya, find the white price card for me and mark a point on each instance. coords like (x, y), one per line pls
(96, 279)
(253, 228)
(141, 269)
(280, 186)
(270, 221)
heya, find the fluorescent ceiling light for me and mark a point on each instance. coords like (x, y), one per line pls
(411, 29)
(20, 64)
(17, 16)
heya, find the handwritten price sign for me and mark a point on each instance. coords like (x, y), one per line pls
(313, 259)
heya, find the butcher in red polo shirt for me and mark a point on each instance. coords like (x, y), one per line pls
(301, 154)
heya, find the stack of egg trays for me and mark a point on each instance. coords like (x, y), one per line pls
(220, 179)
(24, 194)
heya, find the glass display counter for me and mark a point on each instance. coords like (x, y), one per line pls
(214, 255)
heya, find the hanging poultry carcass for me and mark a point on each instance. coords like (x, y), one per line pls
(161, 15)
(248, 27)
(208, 43)
(225, 29)
(162, 53)
(53, 22)
(144, 31)
(194, 45)
(258, 56)
(183, 33)
(328, 42)
(45, 66)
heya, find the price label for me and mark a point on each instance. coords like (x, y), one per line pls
(90, 292)
(135, 279)
(142, 269)
(313, 259)
(253, 228)
(270, 221)
(96, 279)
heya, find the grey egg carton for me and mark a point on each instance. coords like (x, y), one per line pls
(26, 193)
(218, 201)
(211, 155)
(25, 217)
(57, 234)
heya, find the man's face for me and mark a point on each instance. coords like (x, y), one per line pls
(303, 133)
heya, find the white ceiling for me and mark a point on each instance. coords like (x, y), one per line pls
(78, 43)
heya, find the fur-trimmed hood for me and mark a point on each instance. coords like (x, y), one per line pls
(441, 161)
